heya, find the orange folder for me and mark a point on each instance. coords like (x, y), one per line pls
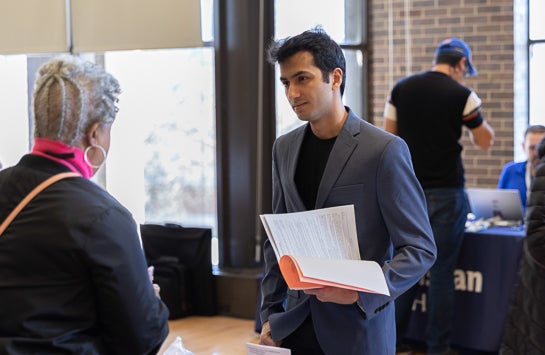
(308, 272)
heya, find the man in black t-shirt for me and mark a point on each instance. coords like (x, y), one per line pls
(428, 111)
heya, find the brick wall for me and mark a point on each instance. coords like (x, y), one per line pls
(403, 35)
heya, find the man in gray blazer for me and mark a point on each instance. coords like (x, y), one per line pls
(338, 159)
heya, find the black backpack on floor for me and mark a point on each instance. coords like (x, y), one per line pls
(182, 260)
(172, 276)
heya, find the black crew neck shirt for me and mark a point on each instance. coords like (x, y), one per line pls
(311, 164)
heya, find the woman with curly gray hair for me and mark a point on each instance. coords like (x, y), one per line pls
(75, 104)
(73, 276)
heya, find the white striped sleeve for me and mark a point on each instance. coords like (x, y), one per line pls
(390, 111)
(473, 104)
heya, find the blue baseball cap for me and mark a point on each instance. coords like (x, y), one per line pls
(456, 45)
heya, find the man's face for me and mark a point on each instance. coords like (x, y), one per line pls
(530, 144)
(309, 96)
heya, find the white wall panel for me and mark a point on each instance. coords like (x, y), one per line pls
(33, 26)
(107, 25)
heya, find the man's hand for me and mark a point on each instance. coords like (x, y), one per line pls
(334, 294)
(266, 338)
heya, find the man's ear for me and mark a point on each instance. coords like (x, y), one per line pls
(337, 77)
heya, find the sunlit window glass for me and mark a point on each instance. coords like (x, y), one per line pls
(537, 83)
(162, 159)
(536, 56)
(294, 17)
(355, 81)
(162, 163)
(537, 25)
(14, 118)
(207, 23)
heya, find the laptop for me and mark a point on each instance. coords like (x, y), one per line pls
(502, 203)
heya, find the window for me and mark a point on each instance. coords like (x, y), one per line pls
(162, 162)
(343, 21)
(14, 122)
(536, 55)
(162, 159)
(529, 80)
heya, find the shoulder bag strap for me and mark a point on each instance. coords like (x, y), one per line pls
(49, 181)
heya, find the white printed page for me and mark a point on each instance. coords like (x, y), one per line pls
(256, 349)
(325, 233)
(361, 275)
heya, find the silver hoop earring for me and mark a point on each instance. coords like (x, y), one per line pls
(88, 161)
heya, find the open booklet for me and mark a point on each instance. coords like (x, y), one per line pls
(319, 248)
(256, 349)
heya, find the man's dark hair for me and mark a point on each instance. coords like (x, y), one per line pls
(451, 59)
(537, 128)
(327, 54)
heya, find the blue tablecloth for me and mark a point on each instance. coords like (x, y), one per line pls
(485, 277)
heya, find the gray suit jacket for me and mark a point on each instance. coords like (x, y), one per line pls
(372, 170)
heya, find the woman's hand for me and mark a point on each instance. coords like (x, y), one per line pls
(156, 287)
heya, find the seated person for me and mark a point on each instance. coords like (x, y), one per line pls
(519, 175)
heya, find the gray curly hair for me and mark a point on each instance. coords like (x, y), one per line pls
(70, 95)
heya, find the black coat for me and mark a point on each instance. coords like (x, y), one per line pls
(525, 332)
(73, 277)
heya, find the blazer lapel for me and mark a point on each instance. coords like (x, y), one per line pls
(341, 152)
(293, 158)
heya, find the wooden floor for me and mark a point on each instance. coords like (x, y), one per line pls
(221, 335)
(216, 335)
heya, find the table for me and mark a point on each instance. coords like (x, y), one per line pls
(484, 280)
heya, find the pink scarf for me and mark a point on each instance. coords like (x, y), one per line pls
(62, 153)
